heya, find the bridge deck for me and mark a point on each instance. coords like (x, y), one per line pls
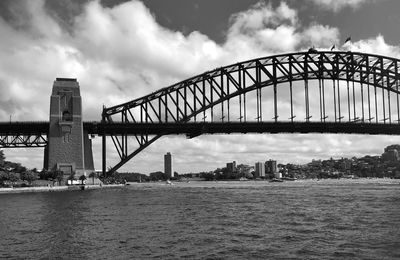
(38, 128)
(194, 129)
(198, 128)
(21, 128)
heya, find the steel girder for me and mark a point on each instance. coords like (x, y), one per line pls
(199, 96)
(23, 134)
(32, 134)
(22, 141)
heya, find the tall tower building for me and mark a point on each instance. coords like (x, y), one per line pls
(168, 165)
(69, 148)
(259, 170)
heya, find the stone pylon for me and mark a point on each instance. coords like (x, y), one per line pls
(69, 147)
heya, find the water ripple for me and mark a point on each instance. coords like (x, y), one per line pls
(206, 220)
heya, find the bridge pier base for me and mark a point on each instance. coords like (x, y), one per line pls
(69, 147)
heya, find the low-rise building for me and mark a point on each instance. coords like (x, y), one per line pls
(231, 167)
(271, 167)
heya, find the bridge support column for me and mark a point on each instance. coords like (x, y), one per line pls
(69, 147)
(103, 147)
(104, 156)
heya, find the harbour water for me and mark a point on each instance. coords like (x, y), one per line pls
(328, 219)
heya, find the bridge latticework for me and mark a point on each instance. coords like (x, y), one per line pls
(23, 134)
(305, 87)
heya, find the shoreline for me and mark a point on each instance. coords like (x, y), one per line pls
(58, 188)
(192, 183)
(263, 182)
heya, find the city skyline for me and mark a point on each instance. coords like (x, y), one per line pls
(135, 48)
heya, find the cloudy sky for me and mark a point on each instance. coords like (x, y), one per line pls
(121, 50)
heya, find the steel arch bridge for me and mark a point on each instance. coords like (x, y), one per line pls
(314, 91)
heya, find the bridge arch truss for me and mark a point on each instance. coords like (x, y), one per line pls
(307, 87)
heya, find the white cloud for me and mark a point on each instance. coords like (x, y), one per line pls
(128, 37)
(262, 30)
(261, 16)
(121, 53)
(320, 35)
(337, 5)
(375, 45)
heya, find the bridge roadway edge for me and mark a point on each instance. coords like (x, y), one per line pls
(198, 128)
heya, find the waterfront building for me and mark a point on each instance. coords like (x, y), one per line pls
(259, 170)
(345, 164)
(271, 167)
(391, 153)
(231, 167)
(168, 165)
(244, 169)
